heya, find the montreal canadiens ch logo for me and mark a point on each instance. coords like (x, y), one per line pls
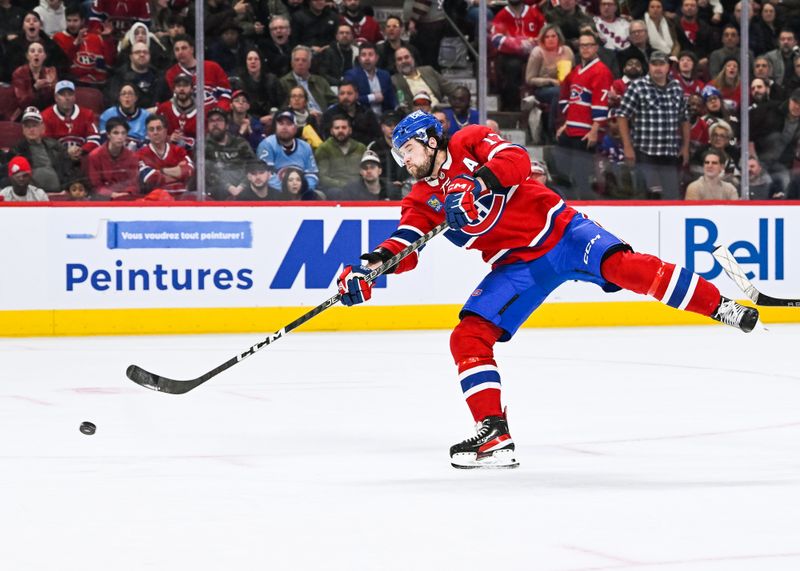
(490, 209)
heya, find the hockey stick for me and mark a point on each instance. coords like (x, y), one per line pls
(177, 387)
(737, 274)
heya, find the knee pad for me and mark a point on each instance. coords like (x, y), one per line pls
(472, 341)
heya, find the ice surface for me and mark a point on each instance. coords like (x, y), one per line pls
(644, 448)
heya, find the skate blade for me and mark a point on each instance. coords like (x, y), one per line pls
(498, 460)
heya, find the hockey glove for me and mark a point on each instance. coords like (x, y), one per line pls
(352, 285)
(459, 203)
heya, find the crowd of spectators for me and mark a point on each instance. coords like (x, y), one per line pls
(632, 100)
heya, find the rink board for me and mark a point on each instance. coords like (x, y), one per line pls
(125, 269)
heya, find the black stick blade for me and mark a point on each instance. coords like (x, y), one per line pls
(143, 378)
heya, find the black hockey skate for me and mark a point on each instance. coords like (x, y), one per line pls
(731, 313)
(492, 447)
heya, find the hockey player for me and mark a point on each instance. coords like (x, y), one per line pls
(533, 241)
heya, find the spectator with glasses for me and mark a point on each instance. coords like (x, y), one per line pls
(277, 48)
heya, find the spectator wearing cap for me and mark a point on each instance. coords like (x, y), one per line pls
(228, 49)
(226, 157)
(421, 102)
(730, 48)
(17, 48)
(716, 110)
(339, 156)
(339, 57)
(411, 79)
(654, 109)
(460, 113)
(139, 71)
(163, 164)
(242, 123)
(75, 127)
(33, 82)
(261, 86)
(181, 112)
(284, 149)
(694, 34)
(363, 121)
(775, 142)
(129, 111)
(314, 25)
(686, 74)
(374, 85)
(318, 90)
(217, 87)
(113, 168)
(257, 187)
(20, 188)
(365, 26)
(632, 69)
(370, 184)
(51, 165)
(396, 175)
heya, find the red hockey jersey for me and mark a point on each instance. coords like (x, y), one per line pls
(524, 219)
(121, 13)
(584, 97)
(367, 29)
(217, 86)
(509, 30)
(151, 162)
(89, 60)
(180, 120)
(79, 128)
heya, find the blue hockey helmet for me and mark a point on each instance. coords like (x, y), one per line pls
(413, 126)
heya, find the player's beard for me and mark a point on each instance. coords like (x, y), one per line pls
(422, 170)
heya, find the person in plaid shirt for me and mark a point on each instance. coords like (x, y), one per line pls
(657, 107)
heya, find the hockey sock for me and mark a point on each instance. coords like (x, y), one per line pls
(674, 286)
(471, 344)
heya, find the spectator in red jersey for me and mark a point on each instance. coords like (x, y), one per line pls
(181, 113)
(217, 87)
(515, 32)
(686, 74)
(89, 56)
(113, 18)
(584, 104)
(632, 69)
(113, 168)
(698, 128)
(366, 28)
(727, 81)
(75, 127)
(162, 164)
(33, 82)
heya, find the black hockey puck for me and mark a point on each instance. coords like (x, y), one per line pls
(88, 428)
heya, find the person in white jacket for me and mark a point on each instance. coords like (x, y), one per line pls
(52, 13)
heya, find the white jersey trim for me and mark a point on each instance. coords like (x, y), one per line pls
(547, 225)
